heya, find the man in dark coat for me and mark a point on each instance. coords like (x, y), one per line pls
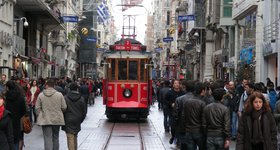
(84, 90)
(216, 122)
(74, 115)
(179, 113)
(170, 102)
(193, 112)
(162, 95)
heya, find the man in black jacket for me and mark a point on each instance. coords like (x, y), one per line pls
(179, 112)
(162, 97)
(193, 111)
(74, 115)
(170, 103)
(84, 91)
(216, 122)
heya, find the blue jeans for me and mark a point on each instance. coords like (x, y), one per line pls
(16, 146)
(193, 140)
(215, 143)
(32, 110)
(234, 124)
(51, 137)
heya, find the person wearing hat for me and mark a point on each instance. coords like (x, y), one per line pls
(74, 115)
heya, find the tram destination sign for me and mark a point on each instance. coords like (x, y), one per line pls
(123, 47)
(167, 39)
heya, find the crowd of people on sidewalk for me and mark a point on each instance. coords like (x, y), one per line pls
(50, 103)
(209, 115)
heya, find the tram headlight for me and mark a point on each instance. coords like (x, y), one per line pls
(127, 93)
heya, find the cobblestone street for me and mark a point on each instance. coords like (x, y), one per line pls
(96, 132)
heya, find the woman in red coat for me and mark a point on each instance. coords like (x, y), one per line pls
(32, 93)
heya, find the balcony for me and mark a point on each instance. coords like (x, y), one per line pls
(43, 13)
(58, 38)
(19, 45)
(242, 7)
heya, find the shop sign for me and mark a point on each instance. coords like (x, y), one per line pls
(19, 45)
(6, 38)
(228, 65)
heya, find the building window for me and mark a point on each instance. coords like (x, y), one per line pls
(99, 34)
(227, 8)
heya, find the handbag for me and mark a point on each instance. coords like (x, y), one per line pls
(26, 124)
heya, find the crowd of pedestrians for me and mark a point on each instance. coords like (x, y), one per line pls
(50, 103)
(209, 115)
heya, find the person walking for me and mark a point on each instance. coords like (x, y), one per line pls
(84, 90)
(50, 106)
(170, 99)
(6, 127)
(74, 115)
(31, 96)
(15, 103)
(162, 96)
(216, 122)
(257, 128)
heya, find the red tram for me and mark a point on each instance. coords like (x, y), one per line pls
(127, 86)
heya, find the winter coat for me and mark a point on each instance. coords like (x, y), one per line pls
(84, 90)
(179, 111)
(272, 99)
(193, 112)
(171, 97)
(277, 115)
(6, 132)
(216, 120)
(162, 95)
(29, 95)
(15, 103)
(75, 113)
(269, 132)
(50, 106)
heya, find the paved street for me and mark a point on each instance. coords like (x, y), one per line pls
(98, 133)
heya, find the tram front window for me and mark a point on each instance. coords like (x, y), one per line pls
(133, 70)
(122, 70)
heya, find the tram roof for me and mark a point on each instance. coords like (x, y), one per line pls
(126, 54)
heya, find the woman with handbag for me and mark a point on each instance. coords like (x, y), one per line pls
(6, 128)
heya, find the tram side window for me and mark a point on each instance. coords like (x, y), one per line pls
(113, 69)
(122, 70)
(133, 70)
(142, 70)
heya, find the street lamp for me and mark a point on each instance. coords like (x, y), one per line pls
(25, 23)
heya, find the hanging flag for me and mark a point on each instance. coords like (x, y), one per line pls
(103, 12)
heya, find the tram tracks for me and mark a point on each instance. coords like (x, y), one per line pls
(125, 135)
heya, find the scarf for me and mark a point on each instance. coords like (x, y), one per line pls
(33, 91)
(2, 109)
(257, 136)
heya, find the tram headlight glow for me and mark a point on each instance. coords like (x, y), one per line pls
(127, 93)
